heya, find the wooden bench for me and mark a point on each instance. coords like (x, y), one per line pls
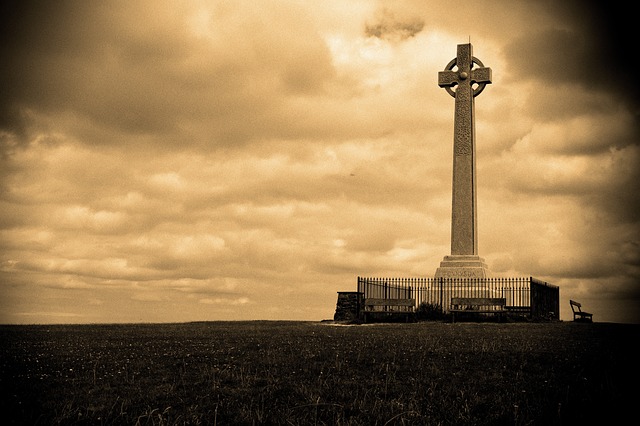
(393, 308)
(477, 305)
(579, 315)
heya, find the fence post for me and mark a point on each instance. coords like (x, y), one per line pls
(532, 298)
(440, 280)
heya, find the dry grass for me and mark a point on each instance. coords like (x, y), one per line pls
(311, 373)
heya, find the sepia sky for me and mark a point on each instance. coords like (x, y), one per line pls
(226, 160)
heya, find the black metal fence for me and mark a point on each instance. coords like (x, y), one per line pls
(544, 300)
(526, 295)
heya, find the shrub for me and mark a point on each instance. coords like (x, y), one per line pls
(429, 312)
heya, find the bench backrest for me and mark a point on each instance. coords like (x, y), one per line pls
(479, 301)
(389, 302)
(576, 304)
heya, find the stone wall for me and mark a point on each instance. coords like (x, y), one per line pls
(348, 305)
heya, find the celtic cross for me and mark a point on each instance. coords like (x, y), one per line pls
(469, 82)
(465, 76)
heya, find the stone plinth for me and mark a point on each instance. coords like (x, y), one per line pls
(463, 266)
(348, 305)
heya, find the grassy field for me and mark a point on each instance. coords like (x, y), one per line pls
(315, 373)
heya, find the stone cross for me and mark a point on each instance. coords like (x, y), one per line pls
(469, 81)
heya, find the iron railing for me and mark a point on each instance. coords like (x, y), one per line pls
(525, 295)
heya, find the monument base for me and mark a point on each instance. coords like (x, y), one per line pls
(461, 266)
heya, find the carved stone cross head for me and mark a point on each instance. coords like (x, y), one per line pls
(465, 74)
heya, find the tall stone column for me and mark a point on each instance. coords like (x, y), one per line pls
(469, 77)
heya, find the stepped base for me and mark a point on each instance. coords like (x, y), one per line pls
(460, 266)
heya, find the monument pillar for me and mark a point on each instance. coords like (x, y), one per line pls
(469, 77)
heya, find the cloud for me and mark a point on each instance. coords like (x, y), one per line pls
(226, 302)
(144, 70)
(586, 48)
(386, 25)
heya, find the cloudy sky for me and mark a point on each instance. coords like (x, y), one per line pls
(225, 160)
